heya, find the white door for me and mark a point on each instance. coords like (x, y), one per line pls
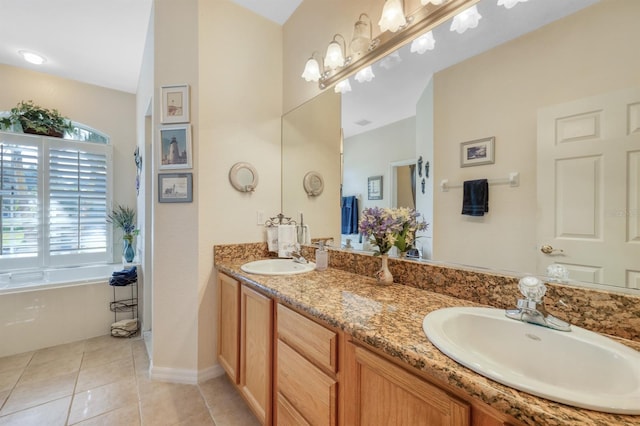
(589, 188)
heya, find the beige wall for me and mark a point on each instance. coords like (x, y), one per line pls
(106, 110)
(175, 226)
(240, 67)
(498, 94)
(232, 60)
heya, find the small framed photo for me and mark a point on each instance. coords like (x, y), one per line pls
(175, 104)
(175, 187)
(175, 150)
(374, 188)
(477, 152)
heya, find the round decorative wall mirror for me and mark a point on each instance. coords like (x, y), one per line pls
(243, 177)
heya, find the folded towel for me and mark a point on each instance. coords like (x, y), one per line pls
(287, 240)
(124, 277)
(272, 238)
(475, 198)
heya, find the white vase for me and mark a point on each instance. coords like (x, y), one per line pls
(384, 275)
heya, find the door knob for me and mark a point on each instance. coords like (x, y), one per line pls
(547, 249)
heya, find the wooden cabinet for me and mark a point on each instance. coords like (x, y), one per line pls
(245, 343)
(229, 325)
(307, 389)
(292, 370)
(256, 336)
(384, 393)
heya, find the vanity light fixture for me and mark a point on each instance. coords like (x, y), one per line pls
(365, 74)
(423, 43)
(335, 53)
(363, 54)
(509, 3)
(312, 70)
(32, 58)
(343, 87)
(465, 20)
(392, 18)
(362, 35)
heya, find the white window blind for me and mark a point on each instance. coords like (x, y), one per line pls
(77, 201)
(19, 190)
(54, 198)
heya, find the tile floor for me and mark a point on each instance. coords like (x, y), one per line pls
(104, 381)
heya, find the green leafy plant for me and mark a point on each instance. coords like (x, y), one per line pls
(38, 120)
(124, 218)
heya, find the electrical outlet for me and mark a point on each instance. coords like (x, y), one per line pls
(259, 217)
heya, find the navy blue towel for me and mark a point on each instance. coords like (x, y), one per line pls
(349, 215)
(475, 198)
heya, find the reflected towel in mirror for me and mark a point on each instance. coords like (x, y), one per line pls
(475, 198)
(349, 215)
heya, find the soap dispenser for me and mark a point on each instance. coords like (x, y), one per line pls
(322, 257)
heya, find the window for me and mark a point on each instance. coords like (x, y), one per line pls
(54, 199)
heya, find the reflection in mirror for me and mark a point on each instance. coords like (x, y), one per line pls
(311, 141)
(501, 93)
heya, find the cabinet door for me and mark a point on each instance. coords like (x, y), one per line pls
(229, 325)
(387, 394)
(256, 323)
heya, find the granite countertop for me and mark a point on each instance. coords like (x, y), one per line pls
(390, 318)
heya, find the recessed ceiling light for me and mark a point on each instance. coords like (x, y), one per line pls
(32, 58)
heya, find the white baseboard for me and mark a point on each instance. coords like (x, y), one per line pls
(189, 377)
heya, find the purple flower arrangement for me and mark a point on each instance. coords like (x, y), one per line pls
(387, 227)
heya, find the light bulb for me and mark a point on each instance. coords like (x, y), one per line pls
(423, 43)
(343, 87)
(509, 3)
(466, 19)
(32, 58)
(311, 70)
(365, 74)
(334, 57)
(392, 18)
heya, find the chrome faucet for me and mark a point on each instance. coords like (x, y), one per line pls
(297, 255)
(531, 309)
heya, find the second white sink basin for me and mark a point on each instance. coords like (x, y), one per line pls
(578, 368)
(277, 267)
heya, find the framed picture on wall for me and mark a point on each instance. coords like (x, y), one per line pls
(174, 104)
(477, 152)
(175, 187)
(175, 149)
(374, 188)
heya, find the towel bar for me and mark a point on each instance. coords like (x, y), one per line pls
(513, 180)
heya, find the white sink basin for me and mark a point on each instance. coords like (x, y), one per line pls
(277, 267)
(578, 368)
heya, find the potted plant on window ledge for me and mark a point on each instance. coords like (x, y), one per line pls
(124, 218)
(37, 120)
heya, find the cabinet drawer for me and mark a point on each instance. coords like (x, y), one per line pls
(312, 340)
(309, 391)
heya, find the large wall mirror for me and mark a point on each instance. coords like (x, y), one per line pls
(553, 82)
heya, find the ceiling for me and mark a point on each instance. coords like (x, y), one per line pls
(101, 42)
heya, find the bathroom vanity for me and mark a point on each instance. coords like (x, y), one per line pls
(335, 347)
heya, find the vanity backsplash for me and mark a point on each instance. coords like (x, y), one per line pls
(597, 310)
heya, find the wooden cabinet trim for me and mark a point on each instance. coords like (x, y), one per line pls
(287, 414)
